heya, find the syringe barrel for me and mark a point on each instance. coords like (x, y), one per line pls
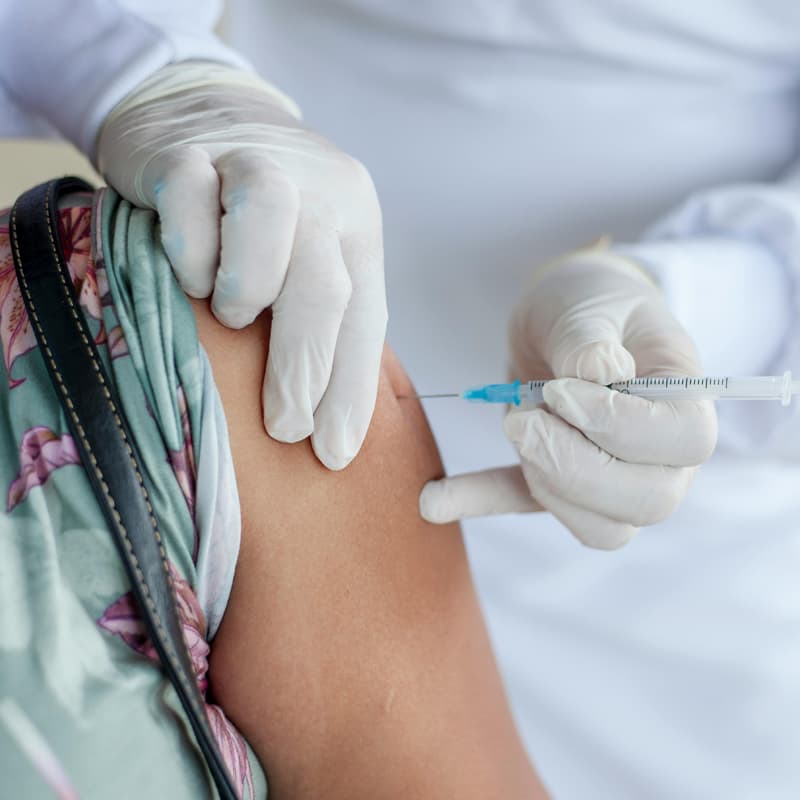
(742, 388)
(531, 392)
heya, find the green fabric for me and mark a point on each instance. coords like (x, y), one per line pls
(84, 711)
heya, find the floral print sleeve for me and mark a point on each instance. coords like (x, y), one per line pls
(76, 663)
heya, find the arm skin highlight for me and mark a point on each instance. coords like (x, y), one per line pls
(353, 654)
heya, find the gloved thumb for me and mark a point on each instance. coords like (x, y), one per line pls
(502, 490)
(575, 319)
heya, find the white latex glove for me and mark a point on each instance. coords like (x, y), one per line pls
(604, 463)
(258, 211)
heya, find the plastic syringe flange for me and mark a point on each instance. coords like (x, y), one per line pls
(786, 388)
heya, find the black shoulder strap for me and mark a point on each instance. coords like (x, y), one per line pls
(106, 446)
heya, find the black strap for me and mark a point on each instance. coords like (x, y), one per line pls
(101, 434)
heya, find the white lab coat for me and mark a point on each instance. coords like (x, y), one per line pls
(64, 64)
(500, 133)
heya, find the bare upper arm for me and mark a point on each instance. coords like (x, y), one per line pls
(353, 654)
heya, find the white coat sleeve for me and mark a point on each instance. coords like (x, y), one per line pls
(72, 61)
(728, 261)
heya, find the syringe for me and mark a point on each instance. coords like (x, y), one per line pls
(764, 387)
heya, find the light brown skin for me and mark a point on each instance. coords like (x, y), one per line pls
(353, 655)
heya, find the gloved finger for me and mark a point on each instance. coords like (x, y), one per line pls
(562, 460)
(344, 413)
(590, 348)
(591, 529)
(678, 433)
(477, 494)
(261, 208)
(659, 344)
(186, 197)
(306, 319)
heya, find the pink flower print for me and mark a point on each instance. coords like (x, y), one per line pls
(232, 749)
(122, 619)
(88, 296)
(117, 346)
(16, 334)
(101, 276)
(75, 231)
(182, 461)
(194, 627)
(40, 453)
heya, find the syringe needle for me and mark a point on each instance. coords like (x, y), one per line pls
(424, 396)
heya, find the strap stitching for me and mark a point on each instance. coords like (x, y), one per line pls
(87, 445)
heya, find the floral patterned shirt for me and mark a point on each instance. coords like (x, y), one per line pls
(84, 709)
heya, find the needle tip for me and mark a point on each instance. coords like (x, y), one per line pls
(423, 396)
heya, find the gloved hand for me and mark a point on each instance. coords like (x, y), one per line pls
(604, 463)
(261, 212)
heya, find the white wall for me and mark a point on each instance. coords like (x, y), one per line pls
(24, 163)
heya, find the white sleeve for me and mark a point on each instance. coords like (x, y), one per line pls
(72, 61)
(728, 261)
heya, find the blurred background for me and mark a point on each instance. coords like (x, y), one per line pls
(26, 163)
